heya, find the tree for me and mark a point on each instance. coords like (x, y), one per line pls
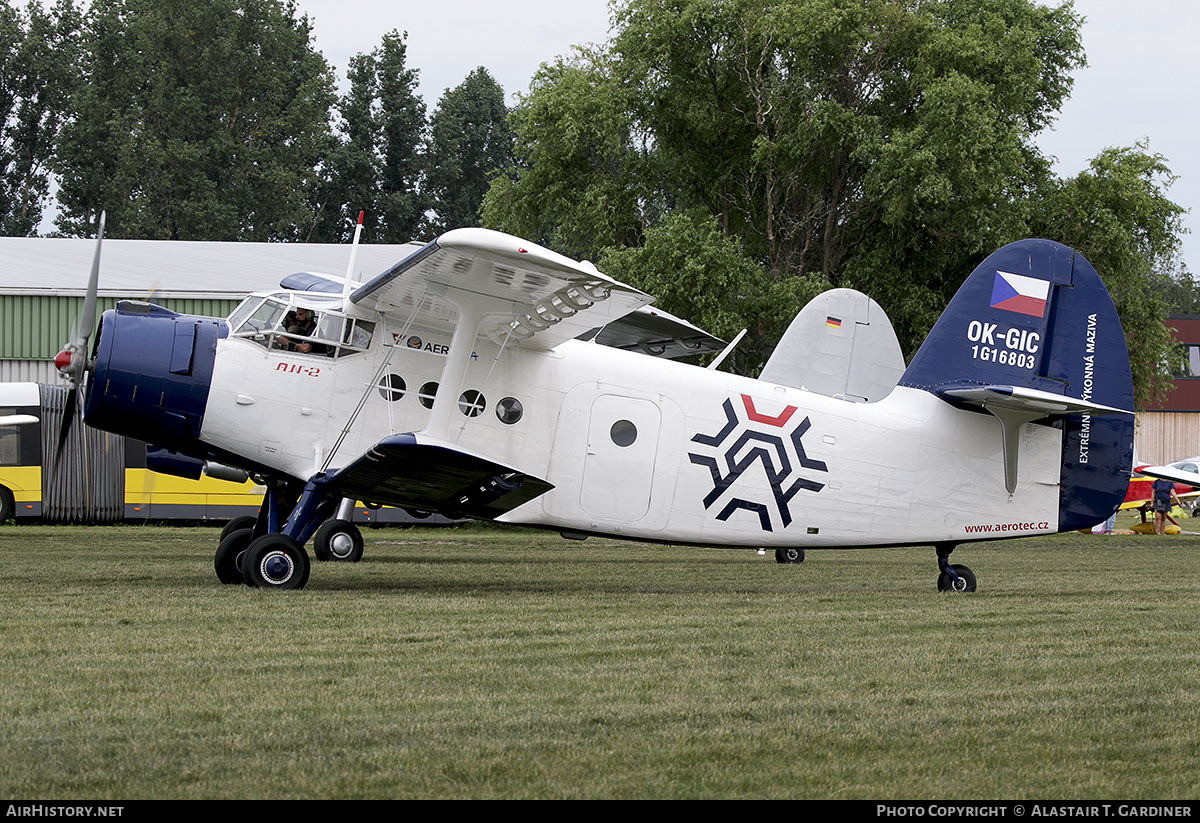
(375, 166)
(37, 53)
(201, 120)
(402, 119)
(1117, 215)
(703, 275)
(881, 145)
(349, 181)
(580, 181)
(469, 141)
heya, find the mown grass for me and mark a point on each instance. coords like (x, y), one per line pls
(483, 662)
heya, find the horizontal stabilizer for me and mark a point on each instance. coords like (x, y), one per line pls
(1033, 333)
(408, 472)
(1033, 401)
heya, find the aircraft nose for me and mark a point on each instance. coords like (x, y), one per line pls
(152, 374)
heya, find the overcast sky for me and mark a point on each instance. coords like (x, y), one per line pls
(1141, 81)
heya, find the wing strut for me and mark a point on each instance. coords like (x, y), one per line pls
(471, 311)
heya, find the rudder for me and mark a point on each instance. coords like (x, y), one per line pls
(1036, 315)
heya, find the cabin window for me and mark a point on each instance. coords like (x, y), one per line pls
(509, 410)
(471, 403)
(392, 387)
(623, 433)
(427, 394)
(260, 322)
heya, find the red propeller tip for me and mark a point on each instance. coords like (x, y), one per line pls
(62, 361)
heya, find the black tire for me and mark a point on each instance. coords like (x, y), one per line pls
(338, 540)
(275, 561)
(7, 505)
(230, 552)
(789, 555)
(243, 521)
(966, 580)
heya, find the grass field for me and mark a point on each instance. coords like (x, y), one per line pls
(482, 662)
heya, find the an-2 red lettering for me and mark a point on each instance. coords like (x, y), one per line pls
(298, 368)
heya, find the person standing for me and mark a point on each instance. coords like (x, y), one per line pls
(1163, 493)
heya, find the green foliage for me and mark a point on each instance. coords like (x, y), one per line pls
(195, 120)
(580, 182)
(402, 121)
(469, 142)
(375, 165)
(38, 52)
(875, 144)
(1117, 215)
(705, 277)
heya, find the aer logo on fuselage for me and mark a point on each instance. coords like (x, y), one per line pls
(739, 447)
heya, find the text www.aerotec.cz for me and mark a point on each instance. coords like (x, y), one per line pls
(988, 528)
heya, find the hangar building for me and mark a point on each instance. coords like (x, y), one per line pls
(43, 281)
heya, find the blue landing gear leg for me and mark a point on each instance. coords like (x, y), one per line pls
(277, 559)
(953, 578)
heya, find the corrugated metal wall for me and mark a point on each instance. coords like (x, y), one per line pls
(86, 484)
(35, 327)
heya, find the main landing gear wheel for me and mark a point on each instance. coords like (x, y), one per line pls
(230, 552)
(338, 540)
(242, 521)
(275, 561)
(789, 555)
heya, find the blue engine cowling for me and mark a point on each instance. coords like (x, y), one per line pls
(152, 373)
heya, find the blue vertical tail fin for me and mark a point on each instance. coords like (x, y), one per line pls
(1034, 322)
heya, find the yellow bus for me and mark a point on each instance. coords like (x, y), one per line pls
(99, 478)
(104, 478)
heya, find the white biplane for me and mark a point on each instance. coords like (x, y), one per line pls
(487, 377)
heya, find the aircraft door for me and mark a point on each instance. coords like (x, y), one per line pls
(622, 445)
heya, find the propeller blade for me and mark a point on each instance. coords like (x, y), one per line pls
(64, 429)
(72, 361)
(87, 317)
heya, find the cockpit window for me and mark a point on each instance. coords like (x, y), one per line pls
(261, 321)
(276, 324)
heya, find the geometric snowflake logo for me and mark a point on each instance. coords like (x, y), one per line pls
(739, 448)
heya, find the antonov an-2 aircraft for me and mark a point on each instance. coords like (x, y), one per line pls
(469, 379)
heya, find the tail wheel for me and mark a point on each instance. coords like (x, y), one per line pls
(789, 555)
(965, 582)
(275, 561)
(338, 540)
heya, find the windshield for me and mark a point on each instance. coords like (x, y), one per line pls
(276, 322)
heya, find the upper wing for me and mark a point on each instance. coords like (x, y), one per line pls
(657, 333)
(1170, 473)
(535, 297)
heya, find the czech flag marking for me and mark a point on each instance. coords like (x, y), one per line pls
(1021, 294)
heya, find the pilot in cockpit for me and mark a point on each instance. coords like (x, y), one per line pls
(299, 323)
